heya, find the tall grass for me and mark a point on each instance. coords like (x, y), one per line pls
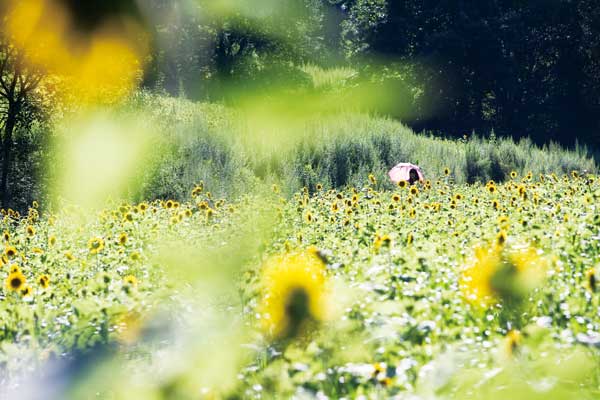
(330, 78)
(208, 142)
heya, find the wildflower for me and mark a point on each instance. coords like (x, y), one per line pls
(6, 236)
(275, 188)
(308, 217)
(476, 280)
(15, 281)
(26, 291)
(372, 179)
(414, 191)
(96, 245)
(491, 189)
(501, 238)
(446, 171)
(395, 198)
(513, 341)
(69, 256)
(170, 204)
(209, 213)
(135, 256)
(402, 184)
(591, 279)
(123, 239)
(52, 240)
(293, 293)
(513, 174)
(381, 241)
(128, 217)
(196, 191)
(37, 250)
(44, 281)
(409, 239)
(130, 280)
(30, 230)
(498, 273)
(319, 187)
(10, 252)
(334, 207)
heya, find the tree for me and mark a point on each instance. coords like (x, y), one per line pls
(520, 68)
(18, 82)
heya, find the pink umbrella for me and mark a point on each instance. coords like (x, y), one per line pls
(401, 172)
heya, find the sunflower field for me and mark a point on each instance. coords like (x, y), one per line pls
(436, 290)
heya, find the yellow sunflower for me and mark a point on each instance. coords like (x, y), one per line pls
(381, 241)
(30, 230)
(512, 342)
(44, 281)
(10, 252)
(591, 279)
(130, 280)
(476, 279)
(96, 245)
(293, 293)
(498, 273)
(15, 281)
(26, 291)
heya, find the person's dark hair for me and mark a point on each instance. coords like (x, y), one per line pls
(413, 176)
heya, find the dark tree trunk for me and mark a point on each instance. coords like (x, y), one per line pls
(7, 144)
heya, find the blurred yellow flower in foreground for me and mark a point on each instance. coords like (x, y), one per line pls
(293, 293)
(100, 66)
(499, 273)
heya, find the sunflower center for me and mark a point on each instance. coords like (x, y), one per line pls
(15, 283)
(296, 308)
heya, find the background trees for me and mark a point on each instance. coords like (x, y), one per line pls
(522, 68)
(18, 108)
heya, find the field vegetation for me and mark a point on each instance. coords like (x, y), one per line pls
(440, 289)
(195, 200)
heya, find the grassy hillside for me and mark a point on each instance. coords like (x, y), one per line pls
(229, 149)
